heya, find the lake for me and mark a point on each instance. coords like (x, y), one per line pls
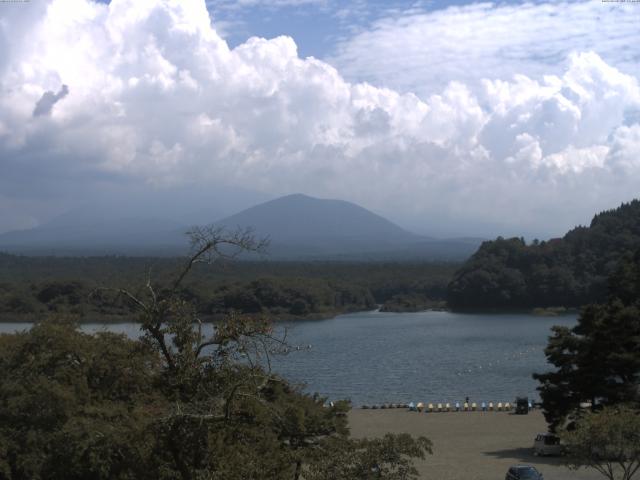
(376, 357)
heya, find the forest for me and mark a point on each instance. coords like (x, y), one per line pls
(82, 286)
(570, 271)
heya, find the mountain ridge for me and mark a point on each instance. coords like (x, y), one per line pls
(297, 217)
(299, 227)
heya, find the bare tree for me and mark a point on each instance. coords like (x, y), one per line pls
(172, 325)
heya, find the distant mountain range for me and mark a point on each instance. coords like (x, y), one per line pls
(298, 226)
(133, 236)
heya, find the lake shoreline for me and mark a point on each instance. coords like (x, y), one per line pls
(31, 318)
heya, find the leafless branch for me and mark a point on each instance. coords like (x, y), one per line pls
(125, 293)
(150, 287)
(208, 245)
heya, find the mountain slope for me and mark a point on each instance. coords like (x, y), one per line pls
(571, 271)
(321, 224)
(299, 227)
(147, 222)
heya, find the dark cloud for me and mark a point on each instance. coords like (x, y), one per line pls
(48, 100)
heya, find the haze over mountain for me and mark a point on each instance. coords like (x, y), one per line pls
(298, 226)
(148, 221)
(300, 219)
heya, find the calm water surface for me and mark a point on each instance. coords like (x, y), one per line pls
(375, 357)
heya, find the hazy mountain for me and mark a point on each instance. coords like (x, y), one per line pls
(303, 226)
(149, 222)
(312, 221)
(298, 226)
(98, 237)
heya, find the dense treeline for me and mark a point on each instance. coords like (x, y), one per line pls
(31, 286)
(570, 272)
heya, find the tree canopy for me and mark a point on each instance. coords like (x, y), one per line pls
(598, 360)
(569, 271)
(607, 441)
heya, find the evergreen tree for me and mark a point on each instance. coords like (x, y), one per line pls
(598, 360)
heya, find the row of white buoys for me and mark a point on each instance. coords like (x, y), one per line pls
(496, 362)
(287, 349)
(448, 407)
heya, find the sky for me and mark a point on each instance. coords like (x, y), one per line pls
(450, 118)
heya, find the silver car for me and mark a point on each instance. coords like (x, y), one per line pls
(547, 444)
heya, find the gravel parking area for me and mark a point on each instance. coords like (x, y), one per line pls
(469, 445)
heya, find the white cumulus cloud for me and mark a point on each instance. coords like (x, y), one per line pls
(157, 97)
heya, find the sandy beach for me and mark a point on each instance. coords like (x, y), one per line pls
(469, 445)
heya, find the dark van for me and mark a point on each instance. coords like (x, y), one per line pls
(522, 405)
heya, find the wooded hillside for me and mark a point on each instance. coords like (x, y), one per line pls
(569, 271)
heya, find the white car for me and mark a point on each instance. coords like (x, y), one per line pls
(547, 444)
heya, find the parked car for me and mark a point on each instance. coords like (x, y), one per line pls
(523, 472)
(547, 444)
